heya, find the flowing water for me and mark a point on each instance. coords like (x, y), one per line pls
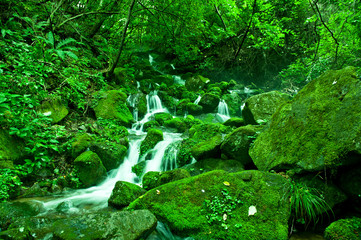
(223, 113)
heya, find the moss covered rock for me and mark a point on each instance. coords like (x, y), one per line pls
(259, 209)
(209, 102)
(12, 150)
(236, 144)
(81, 143)
(235, 122)
(112, 105)
(150, 124)
(112, 154)
(207, 148)
(234, 103)
(124, 193)
(196, 83)
(155, 179)
(259, 108)
(210, 164)
(194, 109)
(344, 229)
(176, 123)
(55, 109)
(153, 137)
(162, 117)
(150, 180)
(319, 126)
(107, 225)
(90, 168)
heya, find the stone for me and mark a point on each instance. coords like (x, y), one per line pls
(207, 148)
(162, 117)
(236, 144)
(209, 102)
(12, 150)
(235, 122)
(177, 124)
(347, 229)
(317, 129)
(124, 193)
(210, 164)
(196, 83)
(184, 205)
(81, 143)
(112, 105)
(90, 168)
(55, 109)
(154, 179)
(153, 137)
(259, 108)
(111, 154)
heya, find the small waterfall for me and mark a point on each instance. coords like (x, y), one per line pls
(132, 100)
(158, 152)
(169, 160)
(223, 113)
(197, 100)
(178, 80)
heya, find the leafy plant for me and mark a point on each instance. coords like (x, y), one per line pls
(9, 181)
(219, 208)
(307, 204)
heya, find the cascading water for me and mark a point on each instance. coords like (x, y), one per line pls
(198, 99)
(97, 196)
(223, 113)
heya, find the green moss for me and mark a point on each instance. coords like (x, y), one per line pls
(150, 124)
(194, 108)
(90, 168)
(112, 105)
(81, 143)
(316, 129)
(184, 155)
(55, 109)
(162, 117)
(209, 102)
(181, 204)
(344, 229)
(12, 150)
(176, 123)
(111, 153)
(124, 193)
(150, 180)
(153, 137)
(138, 168)
(235, 122)
(207, 148)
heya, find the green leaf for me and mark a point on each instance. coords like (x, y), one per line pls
(72, 55)
(51, 39)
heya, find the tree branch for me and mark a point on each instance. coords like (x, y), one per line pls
(220, 16)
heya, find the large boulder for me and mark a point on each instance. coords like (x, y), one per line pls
(207, 148)
(210, 164)
(196, 83)
(259, 108)
(124, 193)
(234, 103)
(90, 168)
(12, 150)
(112, 105)
(345, 229)
(112, 154)
(220, 205)
(317, 129)
(209, 102)
(55, 109)
(81, 143)
(153, 137)
(154, 179)
(236, 144)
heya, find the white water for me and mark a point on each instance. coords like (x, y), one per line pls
(198, 100)
(223, 113)
(98, 196)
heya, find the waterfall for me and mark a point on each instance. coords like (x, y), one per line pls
(97, 196)
(223, 113)
(132, 100)
(198, 99)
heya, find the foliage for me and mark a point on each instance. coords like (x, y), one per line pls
(219, 208)
(307, 205)
(9, 180)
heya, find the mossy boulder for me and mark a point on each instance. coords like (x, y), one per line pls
(176, 123)
(138, 102)
(184, 155)
(209, 102)
(112, 154)
(55, 109)
(259, 108)
(166, 78)
(210, 164)
(194, 109)
(139, 168)
(345, 229)
(236, 144)
(316, 129)
(155, 179)
(153, 137)
(12, 150)
(192, 96)
(207, 148)
(162, 117)
(150, 124)
(235, 122)
(81, 143)
(90, 168)
(234, 103)
(182, 106)
(124, 193)
(196, 83)
(112, 105)
(260, 210)
(106, 225)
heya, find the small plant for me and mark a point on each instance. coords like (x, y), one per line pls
(307, 204)
(9, 181)
(219, 209)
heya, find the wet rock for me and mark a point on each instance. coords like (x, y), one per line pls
(235, 122)
(347, 229)
(182, 205)
(236, 144)
(207, 148)
(209, 102)
(155, 179)
(124, 193)
(153, 137)
(210, 164)
(116, 225)
(150, 180)
(55, 109)
(194, 109)
(112, 154)
(196, 83)
(150, 124)
(112, 105)
(177, 124)
(81, 143)
(90, 168)
(316, 129)
(162, 117)
(259, 108)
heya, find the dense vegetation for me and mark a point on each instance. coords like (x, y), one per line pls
(65, 51)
